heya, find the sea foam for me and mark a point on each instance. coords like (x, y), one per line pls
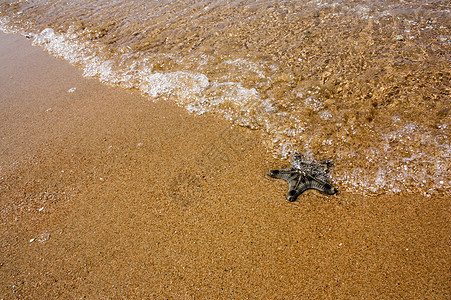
(314, 90)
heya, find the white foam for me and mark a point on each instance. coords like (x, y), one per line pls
(180, 84)
(183, 85)
(4, 27)
(381, 168)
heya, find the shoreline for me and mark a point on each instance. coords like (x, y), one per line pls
(105, 192)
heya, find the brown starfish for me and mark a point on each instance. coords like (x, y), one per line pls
(305, 174)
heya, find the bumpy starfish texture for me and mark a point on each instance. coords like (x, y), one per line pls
(305, 174)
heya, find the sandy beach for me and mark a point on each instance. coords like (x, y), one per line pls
(107, 194)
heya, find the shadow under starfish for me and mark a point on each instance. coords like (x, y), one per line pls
(305, 174)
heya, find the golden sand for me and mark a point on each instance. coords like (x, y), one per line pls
(104, 193)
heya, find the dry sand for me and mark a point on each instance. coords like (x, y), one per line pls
(104, 193)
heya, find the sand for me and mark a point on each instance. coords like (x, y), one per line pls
(106, 194)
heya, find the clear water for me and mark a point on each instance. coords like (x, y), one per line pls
(363, 82)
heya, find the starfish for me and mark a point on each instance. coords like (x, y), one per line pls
(305, 174)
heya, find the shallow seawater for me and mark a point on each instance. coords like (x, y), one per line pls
(363, 82)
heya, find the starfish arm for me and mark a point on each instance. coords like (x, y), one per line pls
(297, 187)
(285, 174)
(321, 185)
(327, 162)
(294, 179)
(298, 157)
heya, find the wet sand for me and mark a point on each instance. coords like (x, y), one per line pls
(104, 193)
